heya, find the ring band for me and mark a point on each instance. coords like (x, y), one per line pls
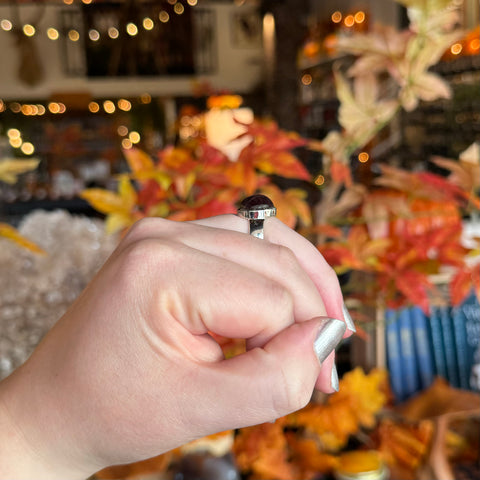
(256, 209)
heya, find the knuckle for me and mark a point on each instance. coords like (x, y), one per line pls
(146, 254)
(282, 299)
(285, 258)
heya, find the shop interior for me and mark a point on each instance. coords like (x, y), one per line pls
(359, 118)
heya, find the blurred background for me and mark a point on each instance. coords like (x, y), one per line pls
(367, 138)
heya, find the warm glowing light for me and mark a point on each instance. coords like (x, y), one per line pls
(178, 8)
(349, 21)
(320, 180)
(172, 2)
(192, 3)
(52, 34)
(145, 98)
(456, 48)
(6, 25)
(62, 108)
(113, 32)
(3, 107)
(134, 137)
(13, 133)
(148, 23)
(475, 44)
(41, 109)
(163, 16)
(94, 107)
(15, 107)
(124, 105)
(363, 157)
(336, 17)
(27, 148)
(307, 79)
(87, 2)
(73, 35)
(29, 30)
(132, 29)
(126, 144)
(28, 109)
(54, 107)
(94, 35)
(122, 130)
(67, 2)
(108, 106)
(15, 142)
(359, 17)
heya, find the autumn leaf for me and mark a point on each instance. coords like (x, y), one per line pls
(361, 113)
(291, 205)
(462, 283)
(10, 169)
(138, 160)
(119, 207)
(10, 233)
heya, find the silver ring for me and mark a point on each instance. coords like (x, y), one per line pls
(256, 209)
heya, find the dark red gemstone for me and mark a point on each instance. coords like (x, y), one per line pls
(256, 202)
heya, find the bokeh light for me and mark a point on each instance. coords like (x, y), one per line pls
(148, 23)
(52, 34)
(27, 148)
(126, 144)
(132, 29)
(163, 16)
(94, 107)
(113, 32)
(134, 137)
(349, 21)
(73, 35)
(94, 35)
(456, 48)
(124, 105)
(29, 30)
(363, 157)
(336, 17)
(6, 25)
(178, 8)
(109, 106)
(307, 79)
(122, 130)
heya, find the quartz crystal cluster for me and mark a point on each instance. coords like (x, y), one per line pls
(35, 290)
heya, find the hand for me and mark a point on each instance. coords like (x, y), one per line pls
(130, 371)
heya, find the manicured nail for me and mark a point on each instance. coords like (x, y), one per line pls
(329, 334)
(348, 319)
(334, 378)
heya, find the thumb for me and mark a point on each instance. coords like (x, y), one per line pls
(266, 383)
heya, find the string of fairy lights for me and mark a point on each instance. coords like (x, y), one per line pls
(107, 106)
(74, 35)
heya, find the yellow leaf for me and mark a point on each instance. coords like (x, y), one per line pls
(103, 200)
(117, 221)
(126, 191)
(10, 168)
(10, 233)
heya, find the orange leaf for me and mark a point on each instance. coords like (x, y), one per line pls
(341, 173)
(138, 160)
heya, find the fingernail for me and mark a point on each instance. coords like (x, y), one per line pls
(329, 334)
(348, 319)
(334, 378)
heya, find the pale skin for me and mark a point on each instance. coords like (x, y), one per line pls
(130, 371)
